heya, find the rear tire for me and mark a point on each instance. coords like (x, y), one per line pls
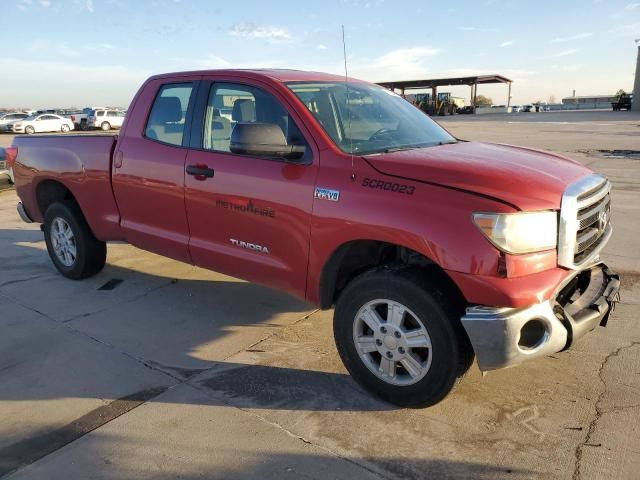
(65, 128)
(432, 369)
(73, 248)
(105, 126)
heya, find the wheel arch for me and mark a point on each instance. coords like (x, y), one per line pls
(357, 256)
(49, 191)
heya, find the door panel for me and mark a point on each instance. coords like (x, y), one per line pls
(251, 219)
(148, 172)
(262, 203)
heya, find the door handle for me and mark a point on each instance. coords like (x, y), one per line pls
(200, 171)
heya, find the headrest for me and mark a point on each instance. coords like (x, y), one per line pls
(167, 110)
(244, 110)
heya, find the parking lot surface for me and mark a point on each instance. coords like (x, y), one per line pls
(156, 369)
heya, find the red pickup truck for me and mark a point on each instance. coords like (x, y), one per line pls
(432, 249)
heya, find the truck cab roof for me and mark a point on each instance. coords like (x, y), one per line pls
(277, 74)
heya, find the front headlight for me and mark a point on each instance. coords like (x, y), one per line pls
(518, 233)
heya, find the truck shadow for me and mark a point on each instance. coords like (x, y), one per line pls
(108, 455)
(178, 327)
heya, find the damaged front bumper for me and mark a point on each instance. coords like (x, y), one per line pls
(502, 337)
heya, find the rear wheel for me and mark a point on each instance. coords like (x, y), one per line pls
(65, 128)
(29, 130)
(74, 250)
(400, 337)
(105, 126)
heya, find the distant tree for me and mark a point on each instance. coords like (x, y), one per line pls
(552, 99)
(483, 100)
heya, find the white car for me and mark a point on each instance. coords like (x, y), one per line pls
(10, 117)
(44, 122)
(105, 119)
(516, 108)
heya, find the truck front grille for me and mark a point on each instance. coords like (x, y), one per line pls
(584, 221)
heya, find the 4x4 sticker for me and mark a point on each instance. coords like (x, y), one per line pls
(388, 186)
(326, 194)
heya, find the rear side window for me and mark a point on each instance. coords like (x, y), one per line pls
(167, 118)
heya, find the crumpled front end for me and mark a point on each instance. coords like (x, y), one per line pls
(502, 337)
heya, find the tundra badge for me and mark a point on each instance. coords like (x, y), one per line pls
(249, 246)
(326, 194)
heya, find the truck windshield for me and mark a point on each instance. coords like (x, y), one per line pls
(366, 119)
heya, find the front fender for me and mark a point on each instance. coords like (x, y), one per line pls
(433, 221)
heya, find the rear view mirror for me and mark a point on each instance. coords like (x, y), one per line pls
(263, 140)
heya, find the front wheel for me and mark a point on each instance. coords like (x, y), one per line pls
(29, 130)
(400, 337)
(73, 249)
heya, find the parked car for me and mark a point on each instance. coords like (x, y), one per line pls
(430, 248)
(47, 122)
(516, 108)
(80, 117)
(10, 117)
(105, 119)
(4, 168)
(528, 108)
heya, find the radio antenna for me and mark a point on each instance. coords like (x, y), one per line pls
(346, 83)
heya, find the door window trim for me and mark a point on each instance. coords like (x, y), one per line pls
(188, 118)
(196, 140)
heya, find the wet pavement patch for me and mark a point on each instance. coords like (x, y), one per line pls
(260, 386)
(30, 450)
(631, 154)
(111, 284)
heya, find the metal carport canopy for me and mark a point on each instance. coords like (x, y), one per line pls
(443, 82)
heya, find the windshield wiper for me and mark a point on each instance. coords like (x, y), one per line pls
(399, 149)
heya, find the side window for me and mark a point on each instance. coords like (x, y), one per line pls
(230, 104)
(168, 113)
(112, 113)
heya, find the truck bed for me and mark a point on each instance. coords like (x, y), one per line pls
(79, 163)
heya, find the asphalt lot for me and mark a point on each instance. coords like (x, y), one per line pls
(178, 372)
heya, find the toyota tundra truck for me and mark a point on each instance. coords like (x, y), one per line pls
(432, 249)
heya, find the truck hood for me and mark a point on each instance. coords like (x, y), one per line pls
(526, 178)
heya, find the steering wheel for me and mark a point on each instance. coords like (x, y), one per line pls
(383, 130)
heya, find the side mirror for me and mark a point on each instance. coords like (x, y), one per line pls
(263, 140)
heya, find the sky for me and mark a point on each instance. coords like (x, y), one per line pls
(63, 53)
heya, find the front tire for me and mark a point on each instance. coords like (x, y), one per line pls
(105, 126)
(73, 249)
(400, 337)
(29, 130)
